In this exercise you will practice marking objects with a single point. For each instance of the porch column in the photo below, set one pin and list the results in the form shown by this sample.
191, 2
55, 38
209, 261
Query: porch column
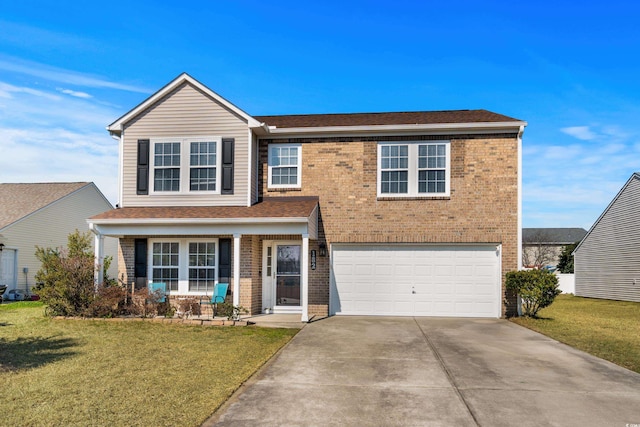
99, 258
305, 278
236, 269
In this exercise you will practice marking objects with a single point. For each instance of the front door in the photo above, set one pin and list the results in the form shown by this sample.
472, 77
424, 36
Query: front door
282, 276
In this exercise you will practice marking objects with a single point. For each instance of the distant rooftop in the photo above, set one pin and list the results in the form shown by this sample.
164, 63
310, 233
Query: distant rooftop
20, 200
558, 236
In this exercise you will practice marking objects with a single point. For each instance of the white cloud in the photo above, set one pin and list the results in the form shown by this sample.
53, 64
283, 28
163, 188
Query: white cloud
566, 185
77, 94
581, 132
47, 137
61, 75
7, 89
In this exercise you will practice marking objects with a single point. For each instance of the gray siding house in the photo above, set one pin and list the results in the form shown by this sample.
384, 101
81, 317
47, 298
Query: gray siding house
607, 260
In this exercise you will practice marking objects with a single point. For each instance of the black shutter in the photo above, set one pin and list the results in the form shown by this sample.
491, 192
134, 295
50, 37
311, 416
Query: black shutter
140, 262
227, 166
224, 263
142, 185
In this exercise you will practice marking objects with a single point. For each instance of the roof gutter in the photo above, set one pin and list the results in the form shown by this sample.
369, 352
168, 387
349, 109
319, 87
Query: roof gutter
202, 221
498, 127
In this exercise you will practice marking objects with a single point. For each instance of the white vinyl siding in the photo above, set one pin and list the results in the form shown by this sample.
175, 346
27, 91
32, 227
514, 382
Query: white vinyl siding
186, 112
607, 262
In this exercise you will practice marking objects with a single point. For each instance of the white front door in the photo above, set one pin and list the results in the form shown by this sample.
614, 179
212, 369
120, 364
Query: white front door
8, 273
281, 276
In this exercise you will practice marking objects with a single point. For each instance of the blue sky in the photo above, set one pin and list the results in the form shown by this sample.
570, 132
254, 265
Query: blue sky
68, 69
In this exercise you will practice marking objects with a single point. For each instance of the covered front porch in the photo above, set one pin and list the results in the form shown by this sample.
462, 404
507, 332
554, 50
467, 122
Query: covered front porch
264, 252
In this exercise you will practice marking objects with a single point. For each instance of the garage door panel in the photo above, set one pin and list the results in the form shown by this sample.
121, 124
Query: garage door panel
415, 280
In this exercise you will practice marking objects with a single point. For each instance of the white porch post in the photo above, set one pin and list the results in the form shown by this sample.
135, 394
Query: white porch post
305, 278
236, 269
99, 258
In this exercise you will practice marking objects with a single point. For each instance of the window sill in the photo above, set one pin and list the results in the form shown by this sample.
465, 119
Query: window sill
384, 198
282, 190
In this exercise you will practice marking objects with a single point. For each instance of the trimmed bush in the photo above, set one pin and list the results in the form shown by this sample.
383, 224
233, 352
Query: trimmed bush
537, 289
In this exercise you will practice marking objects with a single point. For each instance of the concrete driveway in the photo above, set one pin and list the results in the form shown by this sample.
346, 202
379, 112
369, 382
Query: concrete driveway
355, 371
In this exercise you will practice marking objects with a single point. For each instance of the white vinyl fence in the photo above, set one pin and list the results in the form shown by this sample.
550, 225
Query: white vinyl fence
567, 283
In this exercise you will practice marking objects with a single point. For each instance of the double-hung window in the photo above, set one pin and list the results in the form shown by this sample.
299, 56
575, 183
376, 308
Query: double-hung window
166, 172
166, 263
285, 165
187, 265
414, 169
186, 165
202, 266
203, 166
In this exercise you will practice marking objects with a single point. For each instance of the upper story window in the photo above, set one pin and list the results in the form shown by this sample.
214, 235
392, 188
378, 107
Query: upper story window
413, 169
203, 166
166, 160
186, 165
285, 165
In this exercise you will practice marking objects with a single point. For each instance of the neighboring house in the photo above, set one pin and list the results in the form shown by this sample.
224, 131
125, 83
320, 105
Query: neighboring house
542, 247
607, 260
410, 214
43, 214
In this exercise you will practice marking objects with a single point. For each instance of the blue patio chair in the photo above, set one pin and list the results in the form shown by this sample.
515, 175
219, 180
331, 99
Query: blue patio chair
219, 295
159, 288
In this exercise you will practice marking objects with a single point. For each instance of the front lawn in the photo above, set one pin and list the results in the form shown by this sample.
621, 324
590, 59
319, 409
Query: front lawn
71, 372
607, 329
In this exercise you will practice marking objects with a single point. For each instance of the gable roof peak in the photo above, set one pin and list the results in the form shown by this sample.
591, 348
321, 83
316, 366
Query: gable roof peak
117, 126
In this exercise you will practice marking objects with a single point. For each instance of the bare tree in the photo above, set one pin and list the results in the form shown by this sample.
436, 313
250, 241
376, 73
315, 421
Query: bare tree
536, 250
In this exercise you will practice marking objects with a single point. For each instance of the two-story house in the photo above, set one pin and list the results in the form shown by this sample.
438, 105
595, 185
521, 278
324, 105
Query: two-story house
406, 213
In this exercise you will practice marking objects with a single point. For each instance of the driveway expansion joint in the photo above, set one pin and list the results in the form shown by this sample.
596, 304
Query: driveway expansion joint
448, 374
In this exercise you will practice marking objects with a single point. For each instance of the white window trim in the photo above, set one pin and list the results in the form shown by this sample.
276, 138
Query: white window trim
183, 262
185, 166
299, 166
412, 184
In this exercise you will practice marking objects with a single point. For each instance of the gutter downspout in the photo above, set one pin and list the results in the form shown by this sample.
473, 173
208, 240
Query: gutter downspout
98, 274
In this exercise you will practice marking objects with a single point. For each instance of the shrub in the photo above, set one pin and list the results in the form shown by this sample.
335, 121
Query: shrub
189, 307
536, 288
66, 278
109, 302
230, 311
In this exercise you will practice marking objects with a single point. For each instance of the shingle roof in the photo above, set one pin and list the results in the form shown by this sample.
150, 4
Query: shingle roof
273, 207
371, 119
19, 200
563, 236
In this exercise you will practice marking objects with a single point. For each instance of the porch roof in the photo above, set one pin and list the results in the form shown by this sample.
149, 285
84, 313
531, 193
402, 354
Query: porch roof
286, 215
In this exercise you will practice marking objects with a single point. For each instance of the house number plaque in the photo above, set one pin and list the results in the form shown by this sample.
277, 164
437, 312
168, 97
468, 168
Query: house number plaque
313, 259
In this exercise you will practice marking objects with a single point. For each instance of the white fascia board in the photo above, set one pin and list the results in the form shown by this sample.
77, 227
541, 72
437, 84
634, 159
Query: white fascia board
498, 127
120, 230
117, 126
198, 221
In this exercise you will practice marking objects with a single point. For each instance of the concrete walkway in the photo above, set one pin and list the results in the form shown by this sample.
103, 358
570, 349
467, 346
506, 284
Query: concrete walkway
357, 371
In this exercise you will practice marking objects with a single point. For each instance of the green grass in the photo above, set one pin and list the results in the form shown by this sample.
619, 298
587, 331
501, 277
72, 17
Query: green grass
607, 329
70, 372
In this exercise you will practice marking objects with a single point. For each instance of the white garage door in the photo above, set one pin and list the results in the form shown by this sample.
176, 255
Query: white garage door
459, 281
